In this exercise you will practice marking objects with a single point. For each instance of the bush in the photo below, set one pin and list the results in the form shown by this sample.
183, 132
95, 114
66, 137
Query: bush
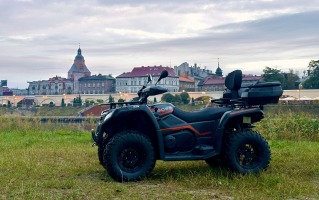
168, 97
185, 97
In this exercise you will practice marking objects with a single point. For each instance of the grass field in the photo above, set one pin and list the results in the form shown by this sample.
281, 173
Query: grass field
52, 161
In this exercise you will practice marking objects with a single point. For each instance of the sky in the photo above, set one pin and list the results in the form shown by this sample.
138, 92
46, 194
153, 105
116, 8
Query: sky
39, 38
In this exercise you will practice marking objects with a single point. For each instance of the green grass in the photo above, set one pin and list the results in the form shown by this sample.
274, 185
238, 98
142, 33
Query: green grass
289, 125
51, 161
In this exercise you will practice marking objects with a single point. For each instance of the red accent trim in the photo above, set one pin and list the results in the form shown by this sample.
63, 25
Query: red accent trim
185, 127
165, 112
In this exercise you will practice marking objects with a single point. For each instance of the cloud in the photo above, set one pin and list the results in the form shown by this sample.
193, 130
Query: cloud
116, 36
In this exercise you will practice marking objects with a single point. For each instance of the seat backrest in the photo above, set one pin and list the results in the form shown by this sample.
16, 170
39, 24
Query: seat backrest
233, 82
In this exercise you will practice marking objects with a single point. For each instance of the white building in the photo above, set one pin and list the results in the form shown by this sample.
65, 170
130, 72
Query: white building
131, 82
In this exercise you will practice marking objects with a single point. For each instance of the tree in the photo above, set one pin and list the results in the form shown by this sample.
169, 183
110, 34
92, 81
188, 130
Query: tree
313, 72
99, 101
271, 74
185, 97
168, 97
77, 101
62, 103
121, 100
51, 104
155, 100
111, 99
290, 80
177, 99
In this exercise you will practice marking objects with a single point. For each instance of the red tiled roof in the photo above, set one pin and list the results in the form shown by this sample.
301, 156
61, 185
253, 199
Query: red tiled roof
220, 81
145, 71
186, 79
251, 77
214, 81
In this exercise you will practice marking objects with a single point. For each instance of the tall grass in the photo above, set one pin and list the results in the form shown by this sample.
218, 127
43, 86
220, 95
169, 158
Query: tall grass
289, 125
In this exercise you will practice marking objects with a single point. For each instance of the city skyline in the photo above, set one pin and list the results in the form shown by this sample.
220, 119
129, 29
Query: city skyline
37, 43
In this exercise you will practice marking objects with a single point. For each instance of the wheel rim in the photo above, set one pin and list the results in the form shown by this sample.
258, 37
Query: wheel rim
248, 156
131, 159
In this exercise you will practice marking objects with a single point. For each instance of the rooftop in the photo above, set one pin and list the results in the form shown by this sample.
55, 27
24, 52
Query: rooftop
149, 70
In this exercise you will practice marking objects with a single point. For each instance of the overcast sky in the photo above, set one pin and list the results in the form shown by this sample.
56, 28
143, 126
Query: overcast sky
39, 38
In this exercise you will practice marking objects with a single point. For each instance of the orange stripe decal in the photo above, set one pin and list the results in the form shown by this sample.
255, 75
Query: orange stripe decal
185, 127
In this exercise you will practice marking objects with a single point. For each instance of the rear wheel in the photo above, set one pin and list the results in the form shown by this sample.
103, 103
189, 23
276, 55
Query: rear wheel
246, 152
130, 156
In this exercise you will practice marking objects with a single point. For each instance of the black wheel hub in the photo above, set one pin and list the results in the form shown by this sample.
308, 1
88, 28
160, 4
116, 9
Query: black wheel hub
130, 159
248, 156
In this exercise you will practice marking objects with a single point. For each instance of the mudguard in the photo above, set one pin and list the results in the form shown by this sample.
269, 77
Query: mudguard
256, 115
120, 113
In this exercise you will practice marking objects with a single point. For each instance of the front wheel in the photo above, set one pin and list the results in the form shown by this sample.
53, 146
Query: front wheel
130, 156
246, 152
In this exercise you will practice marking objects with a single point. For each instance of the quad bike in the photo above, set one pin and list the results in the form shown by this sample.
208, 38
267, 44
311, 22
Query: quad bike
131, 136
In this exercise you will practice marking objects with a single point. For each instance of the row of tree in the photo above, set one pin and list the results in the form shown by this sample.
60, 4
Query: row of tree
291, 79
182, 98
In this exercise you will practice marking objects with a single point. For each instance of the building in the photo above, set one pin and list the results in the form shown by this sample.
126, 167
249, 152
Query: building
79, 81
214, 83
186, 84
196, 73
19, 92
54, 86
131, 82
96, 84
249, 78
78, 70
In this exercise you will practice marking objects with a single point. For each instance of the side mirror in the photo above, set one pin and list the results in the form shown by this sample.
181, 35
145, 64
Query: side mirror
149, 78
164, 74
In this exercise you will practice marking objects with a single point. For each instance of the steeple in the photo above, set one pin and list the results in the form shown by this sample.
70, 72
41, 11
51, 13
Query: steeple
219, 71
79, 50
79, 68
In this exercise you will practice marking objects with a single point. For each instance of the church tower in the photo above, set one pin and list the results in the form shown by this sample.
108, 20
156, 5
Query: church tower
78, 70
219, 71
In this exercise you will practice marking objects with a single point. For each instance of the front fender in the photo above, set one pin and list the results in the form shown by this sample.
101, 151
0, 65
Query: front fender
134, 117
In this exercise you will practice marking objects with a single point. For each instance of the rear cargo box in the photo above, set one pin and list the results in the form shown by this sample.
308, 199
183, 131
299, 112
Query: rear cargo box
261, 93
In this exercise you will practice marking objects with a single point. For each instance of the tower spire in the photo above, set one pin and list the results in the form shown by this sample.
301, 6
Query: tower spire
219, 71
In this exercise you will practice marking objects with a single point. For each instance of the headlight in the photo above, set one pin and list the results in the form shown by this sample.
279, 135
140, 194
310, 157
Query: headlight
108, 116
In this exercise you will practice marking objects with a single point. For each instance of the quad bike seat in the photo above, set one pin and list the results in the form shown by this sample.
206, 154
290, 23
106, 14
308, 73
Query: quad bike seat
206, 114
233, 83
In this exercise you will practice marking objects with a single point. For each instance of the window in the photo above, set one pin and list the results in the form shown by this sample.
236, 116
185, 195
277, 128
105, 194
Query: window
89, 85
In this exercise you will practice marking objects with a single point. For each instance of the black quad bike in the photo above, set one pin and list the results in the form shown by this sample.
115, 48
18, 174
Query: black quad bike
131, 136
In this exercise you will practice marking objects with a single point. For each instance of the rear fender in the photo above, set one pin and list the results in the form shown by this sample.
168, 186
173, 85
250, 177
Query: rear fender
235, 117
